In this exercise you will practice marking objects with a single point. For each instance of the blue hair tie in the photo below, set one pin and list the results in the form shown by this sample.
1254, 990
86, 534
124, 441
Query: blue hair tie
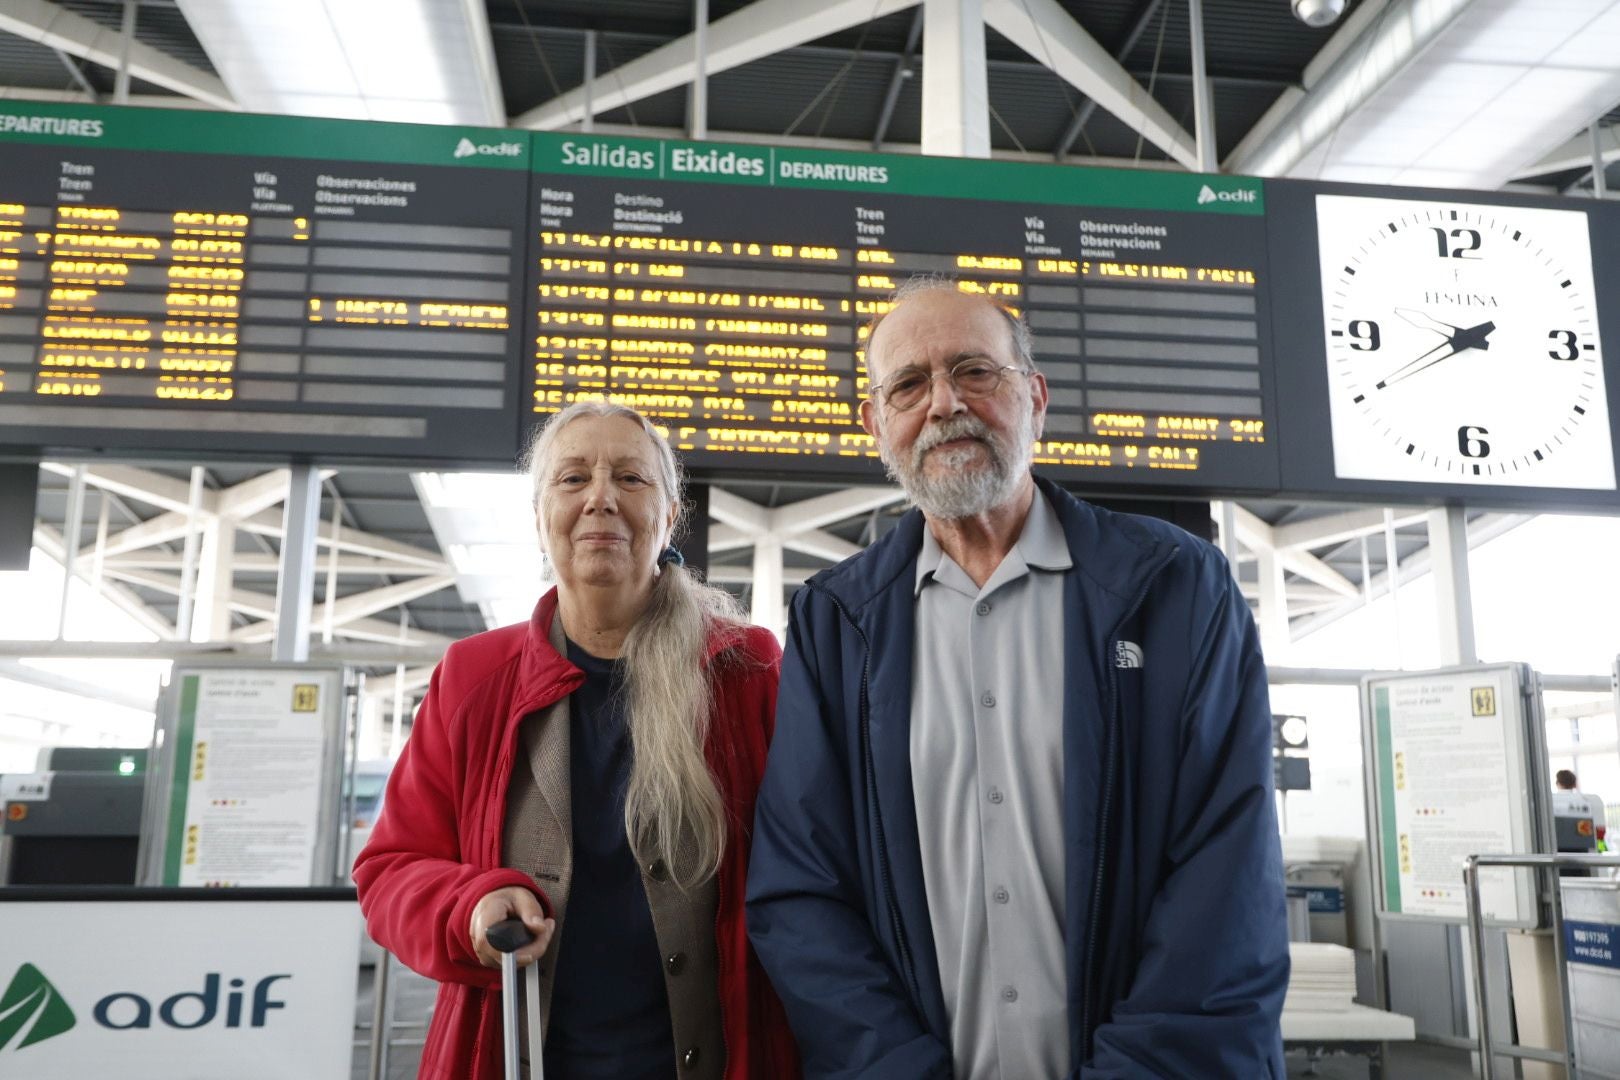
672, 554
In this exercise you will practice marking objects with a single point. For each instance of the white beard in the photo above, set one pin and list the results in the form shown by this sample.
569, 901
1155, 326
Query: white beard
960, 484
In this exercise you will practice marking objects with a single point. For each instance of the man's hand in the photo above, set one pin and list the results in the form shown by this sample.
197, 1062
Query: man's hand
512, 902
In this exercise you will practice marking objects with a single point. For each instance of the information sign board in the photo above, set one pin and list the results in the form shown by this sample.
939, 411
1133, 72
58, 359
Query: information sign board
1450, 760
247, 784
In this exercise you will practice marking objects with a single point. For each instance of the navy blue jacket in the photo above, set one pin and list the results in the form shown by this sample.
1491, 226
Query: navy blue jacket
1176, 932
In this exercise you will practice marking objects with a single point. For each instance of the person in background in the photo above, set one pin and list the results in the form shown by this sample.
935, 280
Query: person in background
593, 773
1568, 793
1018, 818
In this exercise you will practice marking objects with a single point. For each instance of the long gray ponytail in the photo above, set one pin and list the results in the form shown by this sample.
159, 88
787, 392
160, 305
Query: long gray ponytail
668, 685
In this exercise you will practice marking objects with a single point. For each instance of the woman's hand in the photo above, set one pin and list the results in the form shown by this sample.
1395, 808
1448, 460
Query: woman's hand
512, 902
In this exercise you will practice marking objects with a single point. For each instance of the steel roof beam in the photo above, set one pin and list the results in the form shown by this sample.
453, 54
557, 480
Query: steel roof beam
1334, 529
1144, 17
1260, 537
759, 30
1481, 530
49, 541
1574, 154
56, 27
1044, 30
902, 71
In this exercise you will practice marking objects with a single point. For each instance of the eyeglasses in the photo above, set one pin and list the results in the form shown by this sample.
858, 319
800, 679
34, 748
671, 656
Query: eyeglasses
970, 379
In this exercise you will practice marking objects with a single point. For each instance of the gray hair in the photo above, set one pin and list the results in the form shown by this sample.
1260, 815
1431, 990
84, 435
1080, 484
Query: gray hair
1023, 342
667, 681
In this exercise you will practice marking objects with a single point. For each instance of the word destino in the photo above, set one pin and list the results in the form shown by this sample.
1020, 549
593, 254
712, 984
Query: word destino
690, 161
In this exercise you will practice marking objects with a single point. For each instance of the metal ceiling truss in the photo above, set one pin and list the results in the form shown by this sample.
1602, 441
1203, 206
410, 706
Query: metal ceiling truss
55, 27
133, 556
955, 94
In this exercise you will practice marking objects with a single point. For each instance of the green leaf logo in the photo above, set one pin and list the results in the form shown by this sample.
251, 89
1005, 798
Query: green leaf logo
32, 997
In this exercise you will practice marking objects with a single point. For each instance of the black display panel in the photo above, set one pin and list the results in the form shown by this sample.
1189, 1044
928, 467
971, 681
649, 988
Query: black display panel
324, 295
221, 287
735, 316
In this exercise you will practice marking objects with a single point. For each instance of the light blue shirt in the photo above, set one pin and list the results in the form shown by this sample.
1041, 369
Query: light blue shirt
987, 777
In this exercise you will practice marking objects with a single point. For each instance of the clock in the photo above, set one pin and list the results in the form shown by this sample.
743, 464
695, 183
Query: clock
1462, 344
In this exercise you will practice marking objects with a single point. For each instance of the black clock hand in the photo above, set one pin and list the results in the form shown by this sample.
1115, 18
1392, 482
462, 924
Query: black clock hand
1475, 337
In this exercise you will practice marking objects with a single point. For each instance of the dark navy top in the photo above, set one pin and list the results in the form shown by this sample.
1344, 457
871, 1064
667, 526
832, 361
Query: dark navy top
609, 1009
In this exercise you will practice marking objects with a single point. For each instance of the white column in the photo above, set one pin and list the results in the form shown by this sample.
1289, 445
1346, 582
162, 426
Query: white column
1453, 598
1392, 567
126, 39
1226, 515
211, 620
1274, 634
184, 608
955, 90
295, 579
70, 545
98, 560
698, 121
1203, 95
767, 610
588, 124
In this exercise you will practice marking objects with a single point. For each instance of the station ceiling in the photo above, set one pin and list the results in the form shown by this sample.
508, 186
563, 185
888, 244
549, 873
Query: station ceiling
834, 88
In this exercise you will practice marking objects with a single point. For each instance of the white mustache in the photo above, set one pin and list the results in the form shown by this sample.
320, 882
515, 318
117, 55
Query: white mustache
946, 430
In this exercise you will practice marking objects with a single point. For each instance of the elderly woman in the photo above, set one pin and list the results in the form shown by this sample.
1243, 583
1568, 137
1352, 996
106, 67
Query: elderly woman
592, 773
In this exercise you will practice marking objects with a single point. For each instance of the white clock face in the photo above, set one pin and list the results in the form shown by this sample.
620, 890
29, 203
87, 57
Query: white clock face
1462, 344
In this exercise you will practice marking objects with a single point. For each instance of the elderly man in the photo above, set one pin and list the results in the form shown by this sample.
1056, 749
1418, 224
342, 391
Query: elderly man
1017, 821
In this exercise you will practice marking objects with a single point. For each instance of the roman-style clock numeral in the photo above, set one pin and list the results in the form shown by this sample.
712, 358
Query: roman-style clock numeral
1567, 348
1470, 442
1457, 251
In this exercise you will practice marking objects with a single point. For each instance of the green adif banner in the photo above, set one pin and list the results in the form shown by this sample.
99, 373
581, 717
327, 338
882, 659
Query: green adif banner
657, 159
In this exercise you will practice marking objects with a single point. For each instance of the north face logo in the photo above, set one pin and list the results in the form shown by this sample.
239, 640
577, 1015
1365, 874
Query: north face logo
1127, 654
32, 997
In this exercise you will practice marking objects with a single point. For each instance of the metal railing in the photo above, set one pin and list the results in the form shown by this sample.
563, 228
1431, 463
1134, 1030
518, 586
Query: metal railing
1488, 1048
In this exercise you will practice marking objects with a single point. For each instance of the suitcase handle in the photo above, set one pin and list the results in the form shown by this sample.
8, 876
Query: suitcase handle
508, 935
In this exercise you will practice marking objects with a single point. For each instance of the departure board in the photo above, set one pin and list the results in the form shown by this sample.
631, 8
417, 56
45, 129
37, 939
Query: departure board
735, 315
240, 284
220, 286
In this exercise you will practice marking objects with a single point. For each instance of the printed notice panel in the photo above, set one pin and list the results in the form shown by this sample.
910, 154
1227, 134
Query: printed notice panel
250, 770
257, 285
725, 291
1449, 761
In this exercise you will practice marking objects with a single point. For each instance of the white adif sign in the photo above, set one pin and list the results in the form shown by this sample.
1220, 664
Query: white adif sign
251, 764
178, 990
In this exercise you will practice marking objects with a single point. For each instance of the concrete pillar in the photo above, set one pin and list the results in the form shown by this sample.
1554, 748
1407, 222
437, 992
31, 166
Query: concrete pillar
955, 91
211, 616
767, 610
1453, 598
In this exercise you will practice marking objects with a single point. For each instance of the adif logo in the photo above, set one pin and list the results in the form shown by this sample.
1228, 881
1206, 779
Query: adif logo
1207, 194
468, 148
32, 997
1127, 654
